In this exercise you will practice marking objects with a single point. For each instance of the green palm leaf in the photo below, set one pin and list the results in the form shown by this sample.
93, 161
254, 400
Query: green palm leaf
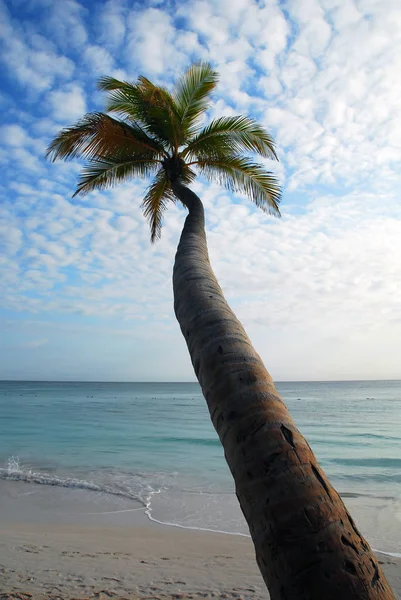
243, 175
151, 106
232, 135
97, 136
157, 133
155, 203
192, 94
101, 174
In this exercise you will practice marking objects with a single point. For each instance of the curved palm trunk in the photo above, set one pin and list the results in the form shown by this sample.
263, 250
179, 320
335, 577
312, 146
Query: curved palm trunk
307, 545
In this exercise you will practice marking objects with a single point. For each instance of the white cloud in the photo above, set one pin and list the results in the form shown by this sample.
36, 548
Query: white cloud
150, 42
321, 75
45, 127
344, 14
315, 32
98, 59
30, 59
67, 103
323, 274
112, 23
30, 68
27, 160
13, 135
16, 136
327, 118
23, 151
10, 238
65, 22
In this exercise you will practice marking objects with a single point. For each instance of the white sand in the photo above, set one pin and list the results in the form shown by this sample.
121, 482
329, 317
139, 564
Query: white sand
142, 562
130, 559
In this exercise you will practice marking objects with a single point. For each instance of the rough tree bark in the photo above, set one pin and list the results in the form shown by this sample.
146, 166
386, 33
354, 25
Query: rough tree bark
307, 545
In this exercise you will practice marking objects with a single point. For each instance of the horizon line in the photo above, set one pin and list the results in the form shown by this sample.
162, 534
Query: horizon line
185, 382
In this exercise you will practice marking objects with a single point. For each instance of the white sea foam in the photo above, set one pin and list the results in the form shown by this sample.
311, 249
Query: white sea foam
15, 471
122, 486
181, 508
393, 554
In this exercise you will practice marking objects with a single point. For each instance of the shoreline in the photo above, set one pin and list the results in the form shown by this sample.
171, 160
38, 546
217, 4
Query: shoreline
45, 499
57, 549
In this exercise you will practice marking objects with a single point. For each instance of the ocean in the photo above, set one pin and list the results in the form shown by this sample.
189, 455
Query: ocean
153, 444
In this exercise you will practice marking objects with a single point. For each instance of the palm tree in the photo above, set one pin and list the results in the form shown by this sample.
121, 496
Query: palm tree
307, 545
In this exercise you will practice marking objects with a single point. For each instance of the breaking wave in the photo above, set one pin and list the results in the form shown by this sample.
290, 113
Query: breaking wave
134, 487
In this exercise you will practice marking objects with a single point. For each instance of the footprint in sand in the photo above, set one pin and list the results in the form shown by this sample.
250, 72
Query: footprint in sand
28, 548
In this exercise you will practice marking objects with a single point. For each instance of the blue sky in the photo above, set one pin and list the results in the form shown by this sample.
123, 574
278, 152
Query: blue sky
84, 295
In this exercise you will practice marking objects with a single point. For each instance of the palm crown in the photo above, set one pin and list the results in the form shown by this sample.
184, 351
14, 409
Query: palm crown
159, 133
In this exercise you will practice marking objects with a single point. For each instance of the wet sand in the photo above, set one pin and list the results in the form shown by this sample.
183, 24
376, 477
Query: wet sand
59, 547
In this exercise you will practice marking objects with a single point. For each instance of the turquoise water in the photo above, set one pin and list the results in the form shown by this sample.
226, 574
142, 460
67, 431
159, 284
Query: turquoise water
154, 442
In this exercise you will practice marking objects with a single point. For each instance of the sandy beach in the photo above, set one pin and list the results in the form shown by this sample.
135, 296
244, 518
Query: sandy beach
136, 562
52, 547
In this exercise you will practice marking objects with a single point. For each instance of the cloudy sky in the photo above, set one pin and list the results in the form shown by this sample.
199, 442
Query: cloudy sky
83, 293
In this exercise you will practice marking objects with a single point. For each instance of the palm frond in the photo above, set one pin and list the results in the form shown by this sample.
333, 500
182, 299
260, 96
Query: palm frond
123, 99
243, 175
148, 138
97, 136
152, 107
155, 203
187, 174
192, 94
101, 174
108, 84
231, 135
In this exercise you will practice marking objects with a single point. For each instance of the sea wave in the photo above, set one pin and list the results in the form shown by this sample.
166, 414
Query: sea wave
15, 471
121, 487
157, 492
383, 462
377, 436
188, 440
